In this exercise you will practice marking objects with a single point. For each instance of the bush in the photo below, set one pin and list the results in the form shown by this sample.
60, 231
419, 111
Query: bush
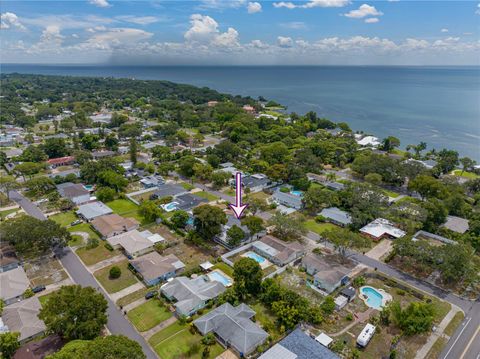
28, 293
349, 317
109, 247
208, 339
320, 219
105, 194
400, 292
92, 243
115, 272
359, 282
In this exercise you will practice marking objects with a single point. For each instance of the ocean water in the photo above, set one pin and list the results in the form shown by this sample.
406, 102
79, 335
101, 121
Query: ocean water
438, 105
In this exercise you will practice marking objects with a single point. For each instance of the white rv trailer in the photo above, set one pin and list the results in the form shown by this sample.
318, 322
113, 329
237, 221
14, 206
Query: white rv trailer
365, 336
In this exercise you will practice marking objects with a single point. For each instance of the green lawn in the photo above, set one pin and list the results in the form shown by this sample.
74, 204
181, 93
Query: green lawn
132, 297
43, 298
115, 285
207, 195
148, 315
175, 341
266, 320
84, 227
76, 241
64, 219
95, 255
225, 268
390, 193
187, 186
469, 175
230, 192
3, 214
318, 228
125, 208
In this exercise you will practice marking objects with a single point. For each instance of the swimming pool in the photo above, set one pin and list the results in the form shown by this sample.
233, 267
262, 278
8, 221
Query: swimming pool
297, 193
375, 298
219, 276
256, 257
172, 206
88, 187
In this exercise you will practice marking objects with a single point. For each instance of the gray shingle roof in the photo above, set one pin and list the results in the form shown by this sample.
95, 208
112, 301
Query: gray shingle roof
13, 283
337, 215
456, 224
189, 293
166, 190
301, 345
188, 201
233, 326
93, 209
23, 317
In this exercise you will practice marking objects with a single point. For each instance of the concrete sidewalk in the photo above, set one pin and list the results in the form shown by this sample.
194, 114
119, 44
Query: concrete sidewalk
105, 263
133, 288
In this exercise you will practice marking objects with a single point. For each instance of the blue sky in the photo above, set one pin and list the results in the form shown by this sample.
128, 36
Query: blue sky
241, 32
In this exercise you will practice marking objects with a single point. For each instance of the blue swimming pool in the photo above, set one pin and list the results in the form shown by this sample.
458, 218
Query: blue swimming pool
88, 187
374, 297
219, 277
258, 258
172, 206
297, 193
190, 221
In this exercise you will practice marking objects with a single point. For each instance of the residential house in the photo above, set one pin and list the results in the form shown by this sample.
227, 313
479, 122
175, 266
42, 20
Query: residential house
298, 345
152, 181
101, 117
40, 349
432, 238
316, 178
349, 292
112, 224
334, 186
13, 152
61, 161
288, 199
232, 221
154, 268
75, 192
249, 109
367, 141
13, 283
92, 210
277, 251
188, 201
255, 183
456, 224
328, 275
190, 295
168, 190
233, 327
336, 216
133, 243
227, 167
102, 154
22, 317
382, 228
8, 257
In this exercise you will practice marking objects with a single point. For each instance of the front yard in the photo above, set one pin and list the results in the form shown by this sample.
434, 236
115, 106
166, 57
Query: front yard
44, 271
318, 228
94, 255
176, 341
207, 195
115, 285
64, 219
148, 315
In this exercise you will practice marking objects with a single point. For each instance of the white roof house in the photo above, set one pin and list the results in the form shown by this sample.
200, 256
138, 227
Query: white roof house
371, 141
324, 339
132, 242
93, 210
380, 228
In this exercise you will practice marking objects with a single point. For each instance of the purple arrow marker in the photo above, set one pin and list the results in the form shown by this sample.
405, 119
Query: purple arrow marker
238, 208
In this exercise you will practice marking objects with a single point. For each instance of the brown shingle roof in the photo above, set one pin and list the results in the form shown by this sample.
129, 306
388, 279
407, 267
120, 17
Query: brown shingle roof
112, 224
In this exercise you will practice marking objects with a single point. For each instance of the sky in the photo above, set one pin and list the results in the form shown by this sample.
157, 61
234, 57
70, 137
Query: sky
241, 32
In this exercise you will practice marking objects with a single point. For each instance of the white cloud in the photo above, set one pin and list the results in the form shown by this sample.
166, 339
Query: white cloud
222, 4
115, 37
69, 22
254, 7
363, 11
478, 9
312, 4
204, 29
372, 20
444, 30
295, 25
139, 20
10, 20
284, 41
258, 44
99, 3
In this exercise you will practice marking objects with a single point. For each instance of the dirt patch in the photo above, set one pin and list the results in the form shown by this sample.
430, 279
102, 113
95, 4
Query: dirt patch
44, 271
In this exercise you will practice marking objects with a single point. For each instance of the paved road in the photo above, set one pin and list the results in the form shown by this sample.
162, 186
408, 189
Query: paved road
28, 206
117, 323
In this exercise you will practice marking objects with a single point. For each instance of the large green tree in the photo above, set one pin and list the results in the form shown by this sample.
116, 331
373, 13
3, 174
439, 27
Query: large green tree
247, 276
286, 227
9, 344
344, 239
33, 236
208, 221
75, 312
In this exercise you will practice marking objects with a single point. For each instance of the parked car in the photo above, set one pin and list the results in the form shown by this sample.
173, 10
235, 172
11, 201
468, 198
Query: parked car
38, 289
74, 223
151, 294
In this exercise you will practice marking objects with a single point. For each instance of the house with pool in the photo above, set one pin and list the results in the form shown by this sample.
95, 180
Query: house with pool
255, 183
289, 198
191, 294
154, 268
277, 251
222, 238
